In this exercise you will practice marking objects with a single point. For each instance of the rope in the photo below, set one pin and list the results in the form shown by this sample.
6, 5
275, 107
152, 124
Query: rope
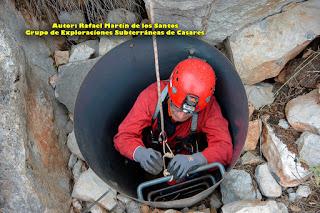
162, 136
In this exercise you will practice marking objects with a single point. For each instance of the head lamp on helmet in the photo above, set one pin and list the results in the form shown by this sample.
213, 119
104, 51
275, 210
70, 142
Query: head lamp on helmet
192, 84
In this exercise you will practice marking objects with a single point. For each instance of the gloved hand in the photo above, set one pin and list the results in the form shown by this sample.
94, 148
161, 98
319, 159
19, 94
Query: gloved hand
149, 159
180, 165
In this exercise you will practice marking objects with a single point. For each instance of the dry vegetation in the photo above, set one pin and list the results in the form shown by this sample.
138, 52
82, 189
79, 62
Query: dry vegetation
95, 10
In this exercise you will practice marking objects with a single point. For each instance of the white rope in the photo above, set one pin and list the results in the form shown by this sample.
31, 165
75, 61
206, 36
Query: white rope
162, 135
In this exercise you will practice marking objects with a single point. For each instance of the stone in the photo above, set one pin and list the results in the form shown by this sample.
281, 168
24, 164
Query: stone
303, 112
260, 94
238, 185
269, 206
33, 163
282, 162
206, 210
53, 80
71, 76
294, 208
145, 208
284, 124
133, 207
98, 209
290, 190
73, 145
108, 43
254, 132
74, 17
89, 187
215, 201
120, 15
189, 15
252, 48
76, 205
61, 57
94, 44
303, 191
77, 169
249, 158
72, 160
309, 149
251, 109
292, 196
267, 184
171, 211
81, 52
239, 14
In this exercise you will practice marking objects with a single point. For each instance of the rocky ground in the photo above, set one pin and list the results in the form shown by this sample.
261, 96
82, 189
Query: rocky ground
279, 168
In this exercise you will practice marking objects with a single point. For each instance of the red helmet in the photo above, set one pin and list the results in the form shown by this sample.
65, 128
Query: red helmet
192, 84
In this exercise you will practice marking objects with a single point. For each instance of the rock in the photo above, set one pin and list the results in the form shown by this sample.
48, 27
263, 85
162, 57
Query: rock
239, 14
74, 17
260, 94
133, 207
108, 43
292, 196
269, 206
94, 44
309, 149
73, 145
120, 15
249, 158
206, 210
98, 209
81, 52
290, 190
294, 208
281, 161
254, 131
53, 80
303, 112
119, 209
252, 48
215, 201
303, 191
284, 124
251, 109
237, 185
33, 156
145, 208
71, 76
189, 15
171, 211
77, 169
61, 57
76, 205
267, 184
89, 187
72, 160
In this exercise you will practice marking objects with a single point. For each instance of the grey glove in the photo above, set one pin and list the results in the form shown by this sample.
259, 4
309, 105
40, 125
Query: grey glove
180, 165
149, 159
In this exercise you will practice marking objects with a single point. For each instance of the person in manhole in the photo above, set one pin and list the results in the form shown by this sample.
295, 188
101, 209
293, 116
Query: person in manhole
196, 130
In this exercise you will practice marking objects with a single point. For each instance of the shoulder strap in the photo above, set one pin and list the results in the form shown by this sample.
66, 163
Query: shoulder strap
162, 97
194, 122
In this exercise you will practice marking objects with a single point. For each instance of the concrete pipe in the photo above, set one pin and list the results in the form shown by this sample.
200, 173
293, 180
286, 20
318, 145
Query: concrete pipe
110, 89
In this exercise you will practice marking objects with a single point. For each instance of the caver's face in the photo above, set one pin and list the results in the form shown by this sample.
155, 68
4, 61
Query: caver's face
177, 114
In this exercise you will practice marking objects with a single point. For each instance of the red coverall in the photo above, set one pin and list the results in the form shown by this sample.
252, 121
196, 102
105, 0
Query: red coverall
210, 121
